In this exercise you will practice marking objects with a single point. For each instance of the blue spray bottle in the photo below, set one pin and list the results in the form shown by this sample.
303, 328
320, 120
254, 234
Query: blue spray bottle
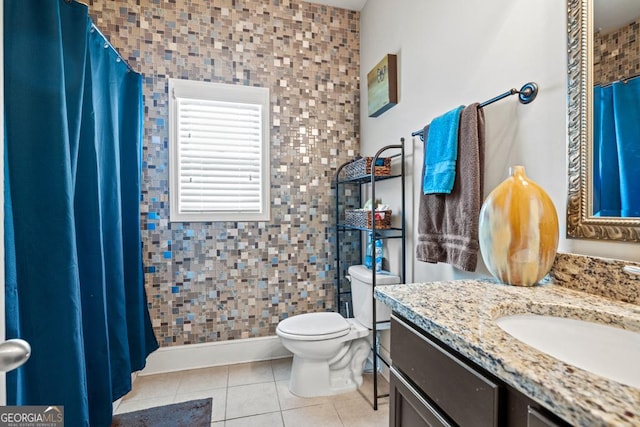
368, 257
379, 255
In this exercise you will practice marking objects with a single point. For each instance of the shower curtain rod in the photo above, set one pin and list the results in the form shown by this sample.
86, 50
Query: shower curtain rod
623, 80
526, 94
106, 41
107, 44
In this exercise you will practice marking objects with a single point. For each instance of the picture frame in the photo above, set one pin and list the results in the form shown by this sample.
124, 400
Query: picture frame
382, 86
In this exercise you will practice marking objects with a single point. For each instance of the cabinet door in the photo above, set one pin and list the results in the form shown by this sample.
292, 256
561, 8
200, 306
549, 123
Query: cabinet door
463, 393
408, 408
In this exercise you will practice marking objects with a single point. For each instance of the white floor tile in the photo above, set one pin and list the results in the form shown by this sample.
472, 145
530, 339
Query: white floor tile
203, 379
257, 395
274, 419
312, 416
281, 368
360, 413
252, 399
291, 401
138, 404
154, 386
250, 373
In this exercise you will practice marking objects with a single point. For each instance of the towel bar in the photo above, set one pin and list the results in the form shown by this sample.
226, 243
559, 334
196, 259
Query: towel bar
526, 94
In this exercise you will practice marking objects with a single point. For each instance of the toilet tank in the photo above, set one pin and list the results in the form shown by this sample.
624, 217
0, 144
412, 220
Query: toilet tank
362, 294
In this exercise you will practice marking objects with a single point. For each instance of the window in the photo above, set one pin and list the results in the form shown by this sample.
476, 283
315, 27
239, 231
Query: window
219, 152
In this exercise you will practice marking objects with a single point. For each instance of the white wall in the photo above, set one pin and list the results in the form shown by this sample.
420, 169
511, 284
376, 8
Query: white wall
459, 52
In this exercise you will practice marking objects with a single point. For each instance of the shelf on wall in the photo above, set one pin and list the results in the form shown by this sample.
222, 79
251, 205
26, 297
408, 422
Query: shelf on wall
381, 233
366, 178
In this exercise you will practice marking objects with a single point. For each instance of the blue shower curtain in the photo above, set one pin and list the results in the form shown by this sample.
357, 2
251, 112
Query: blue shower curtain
616, 157
74, 279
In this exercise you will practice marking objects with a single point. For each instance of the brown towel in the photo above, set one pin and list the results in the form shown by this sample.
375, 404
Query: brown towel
448, 223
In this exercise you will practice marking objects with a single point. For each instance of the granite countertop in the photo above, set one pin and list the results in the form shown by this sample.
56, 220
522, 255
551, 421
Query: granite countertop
461, 314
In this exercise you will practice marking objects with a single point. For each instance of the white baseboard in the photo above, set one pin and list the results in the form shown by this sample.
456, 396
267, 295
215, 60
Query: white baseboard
195, 356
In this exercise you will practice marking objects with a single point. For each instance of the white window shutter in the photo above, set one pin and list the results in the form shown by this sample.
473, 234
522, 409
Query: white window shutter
219, 156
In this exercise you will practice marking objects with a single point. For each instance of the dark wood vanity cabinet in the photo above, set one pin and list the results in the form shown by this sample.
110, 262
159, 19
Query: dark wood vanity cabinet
432, 385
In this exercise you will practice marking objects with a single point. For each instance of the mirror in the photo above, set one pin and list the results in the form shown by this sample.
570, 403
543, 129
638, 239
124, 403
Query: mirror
582, 220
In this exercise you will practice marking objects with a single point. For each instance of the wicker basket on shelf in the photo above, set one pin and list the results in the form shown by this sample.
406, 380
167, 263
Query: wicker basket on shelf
362, 166
362, 218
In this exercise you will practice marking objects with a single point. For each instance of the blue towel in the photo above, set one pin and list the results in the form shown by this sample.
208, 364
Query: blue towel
441, 153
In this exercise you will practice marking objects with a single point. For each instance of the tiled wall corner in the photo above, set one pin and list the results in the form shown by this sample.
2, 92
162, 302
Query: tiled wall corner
219, 281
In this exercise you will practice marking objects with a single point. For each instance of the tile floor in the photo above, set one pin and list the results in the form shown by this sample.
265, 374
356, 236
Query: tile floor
257, 394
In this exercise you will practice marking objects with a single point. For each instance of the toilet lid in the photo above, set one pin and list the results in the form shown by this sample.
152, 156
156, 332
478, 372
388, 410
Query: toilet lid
315, 324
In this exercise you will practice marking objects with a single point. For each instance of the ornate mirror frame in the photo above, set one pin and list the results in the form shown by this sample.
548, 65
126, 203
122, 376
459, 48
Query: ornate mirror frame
580, 221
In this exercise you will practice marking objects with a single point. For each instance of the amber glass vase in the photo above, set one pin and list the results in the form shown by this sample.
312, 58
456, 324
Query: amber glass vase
518, 230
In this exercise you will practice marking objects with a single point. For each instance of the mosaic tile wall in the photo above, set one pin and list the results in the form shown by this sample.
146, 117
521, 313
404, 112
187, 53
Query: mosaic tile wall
617, 54
220, 281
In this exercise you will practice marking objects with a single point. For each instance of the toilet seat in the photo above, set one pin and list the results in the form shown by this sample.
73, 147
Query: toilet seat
314, 326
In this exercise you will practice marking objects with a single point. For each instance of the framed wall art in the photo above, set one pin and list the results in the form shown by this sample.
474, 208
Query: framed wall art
382, 86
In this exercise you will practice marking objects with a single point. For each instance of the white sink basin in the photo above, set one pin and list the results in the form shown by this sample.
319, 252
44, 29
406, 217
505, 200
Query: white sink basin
608, 351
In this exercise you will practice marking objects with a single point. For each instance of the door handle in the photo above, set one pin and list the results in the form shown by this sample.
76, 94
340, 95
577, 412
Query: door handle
13, 353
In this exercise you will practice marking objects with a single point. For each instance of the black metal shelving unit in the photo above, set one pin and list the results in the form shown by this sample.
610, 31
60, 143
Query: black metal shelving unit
397, 156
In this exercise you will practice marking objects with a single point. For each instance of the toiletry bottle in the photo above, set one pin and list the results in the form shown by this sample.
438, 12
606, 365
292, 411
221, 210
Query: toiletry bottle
379, 255
368, 257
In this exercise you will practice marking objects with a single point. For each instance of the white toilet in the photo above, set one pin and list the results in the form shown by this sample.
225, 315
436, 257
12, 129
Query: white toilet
329, 351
